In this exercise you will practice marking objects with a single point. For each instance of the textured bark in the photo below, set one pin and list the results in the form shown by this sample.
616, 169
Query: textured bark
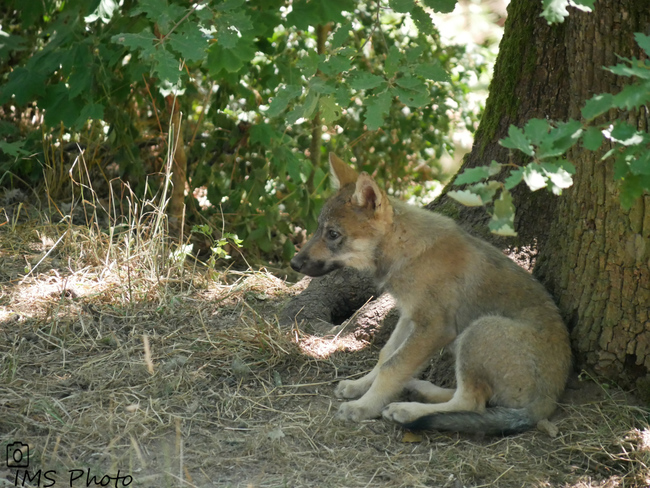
592, 255
179, 170
598, 254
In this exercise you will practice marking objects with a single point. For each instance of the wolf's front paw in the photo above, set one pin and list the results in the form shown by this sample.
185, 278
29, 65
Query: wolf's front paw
402, 412
357, 411
350, 389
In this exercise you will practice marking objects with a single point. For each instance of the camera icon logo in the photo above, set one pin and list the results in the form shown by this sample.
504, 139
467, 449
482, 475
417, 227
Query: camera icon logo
17, 455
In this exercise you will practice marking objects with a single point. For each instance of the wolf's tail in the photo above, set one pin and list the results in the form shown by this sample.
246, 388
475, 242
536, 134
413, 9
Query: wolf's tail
492, 421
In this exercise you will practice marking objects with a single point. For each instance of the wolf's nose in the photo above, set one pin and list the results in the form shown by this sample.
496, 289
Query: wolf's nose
296, 264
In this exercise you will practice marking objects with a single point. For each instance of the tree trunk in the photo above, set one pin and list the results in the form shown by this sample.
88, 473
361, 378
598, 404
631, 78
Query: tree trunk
591, 254
179, 170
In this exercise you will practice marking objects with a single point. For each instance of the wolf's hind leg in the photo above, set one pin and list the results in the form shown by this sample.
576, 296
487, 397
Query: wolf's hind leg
466, 399
426, 392
351, 389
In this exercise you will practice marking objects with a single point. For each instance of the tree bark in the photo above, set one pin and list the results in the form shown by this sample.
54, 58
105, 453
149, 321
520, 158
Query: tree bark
591, 254
179, 169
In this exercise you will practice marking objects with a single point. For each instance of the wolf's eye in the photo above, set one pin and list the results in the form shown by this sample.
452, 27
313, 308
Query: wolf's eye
332, 235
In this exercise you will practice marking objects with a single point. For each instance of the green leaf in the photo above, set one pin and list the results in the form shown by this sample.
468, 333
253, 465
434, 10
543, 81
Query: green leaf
633, 68
633, 96
309, 64
159, 11
592, 138
534, 177
13, 149
329, 110
474, 175
413, 54
503, 216
92, 111
10, 44
237, 19
288, 250
377, 107
442, 6
584, 5
80, 81
228, 5
362, 80
305, 110
410, 83
641, 165
341, 35
230, 60
263, 134
335, 65
466, 197
298, 168
643, 41
24, 85
598, 104
516, 176
559, 177
310, 105
322, 86
560, 139
166, 66
307, 13
343, 96
517, 140
422, 20
393, 61
144, 40
411, 91
505, 229
432, 71
625, 134
189, 43
632, 188
412, 98
536, 130
401, 6
476, 195
486, 190
282, 99
59, 107
555, 10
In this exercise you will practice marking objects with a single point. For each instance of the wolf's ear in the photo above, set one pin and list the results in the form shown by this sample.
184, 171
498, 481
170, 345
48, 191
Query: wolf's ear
340, 172
367, 193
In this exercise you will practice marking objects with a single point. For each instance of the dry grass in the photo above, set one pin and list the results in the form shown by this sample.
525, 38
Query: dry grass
195, 384
116, 357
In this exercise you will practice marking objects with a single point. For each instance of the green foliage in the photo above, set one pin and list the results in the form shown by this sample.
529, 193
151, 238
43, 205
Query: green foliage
218, 246
547, 144
556, 10
251, 85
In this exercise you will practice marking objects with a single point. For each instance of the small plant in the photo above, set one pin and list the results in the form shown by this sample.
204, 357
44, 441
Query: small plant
218, 247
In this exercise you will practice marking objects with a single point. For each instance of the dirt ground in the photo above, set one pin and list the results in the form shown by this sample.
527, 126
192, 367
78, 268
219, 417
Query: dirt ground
113, 377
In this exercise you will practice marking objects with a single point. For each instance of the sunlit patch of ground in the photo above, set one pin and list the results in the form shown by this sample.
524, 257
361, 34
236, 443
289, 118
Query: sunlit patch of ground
324, 347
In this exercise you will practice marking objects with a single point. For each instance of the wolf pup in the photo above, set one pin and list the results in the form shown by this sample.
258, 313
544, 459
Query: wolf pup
511, 347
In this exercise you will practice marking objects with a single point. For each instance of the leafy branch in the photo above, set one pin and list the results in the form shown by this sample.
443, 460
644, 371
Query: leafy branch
547, 143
